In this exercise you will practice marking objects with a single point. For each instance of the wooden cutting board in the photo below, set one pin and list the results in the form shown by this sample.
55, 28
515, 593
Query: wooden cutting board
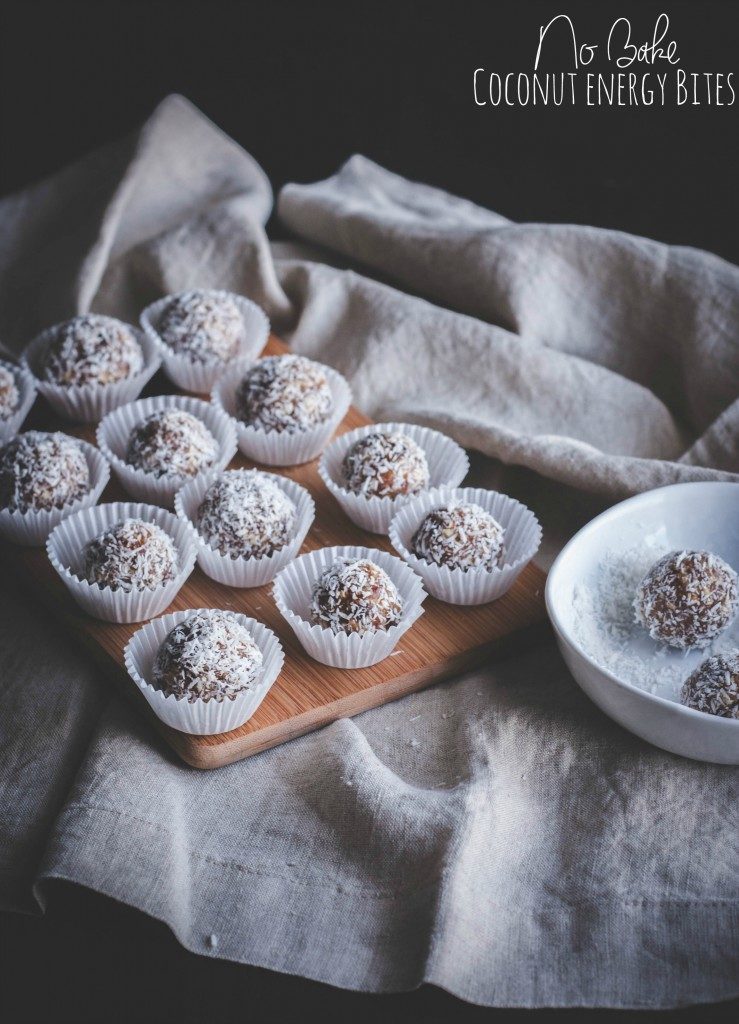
446, 640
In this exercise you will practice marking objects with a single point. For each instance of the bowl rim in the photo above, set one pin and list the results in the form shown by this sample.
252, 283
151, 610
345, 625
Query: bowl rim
643, 499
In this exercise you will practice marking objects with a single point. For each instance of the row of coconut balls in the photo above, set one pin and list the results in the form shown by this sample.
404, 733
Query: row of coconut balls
127, 562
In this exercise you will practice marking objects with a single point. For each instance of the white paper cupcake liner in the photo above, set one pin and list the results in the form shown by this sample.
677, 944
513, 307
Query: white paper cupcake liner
244, 572
66, 547
274, 448
201, 718
26, 385
447, 461
115, 430
201, 377
88, 403
32, 528
521, 541
293, 589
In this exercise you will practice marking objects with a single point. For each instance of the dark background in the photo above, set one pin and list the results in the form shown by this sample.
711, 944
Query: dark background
303, 85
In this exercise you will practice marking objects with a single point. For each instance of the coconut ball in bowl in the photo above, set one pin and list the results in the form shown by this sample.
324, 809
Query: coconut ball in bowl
714, 686
642, 599
687, 598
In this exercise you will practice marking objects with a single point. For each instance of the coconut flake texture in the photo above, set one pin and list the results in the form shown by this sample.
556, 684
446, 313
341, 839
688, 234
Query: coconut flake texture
42, 471
131, 555
245, 514
171, 442
10, 397
385, 465
203, 326
714, 686
355, 596
284, 393
460, 535
92, 349
207, 657
687, 599
605, 626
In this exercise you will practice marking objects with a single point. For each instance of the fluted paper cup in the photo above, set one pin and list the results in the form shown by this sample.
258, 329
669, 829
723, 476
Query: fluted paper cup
26, 385
32, 528
244, 572
201, 718
293, 589
87, 403
200, 377
281, 448
521, 540
66, 550
115, 430
447, 461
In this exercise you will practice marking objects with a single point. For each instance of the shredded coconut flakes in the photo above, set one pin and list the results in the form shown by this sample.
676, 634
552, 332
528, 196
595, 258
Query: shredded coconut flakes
207, 657
461, 536
172, 442
202, 326
131, 555
42, 471
714, 686
355, 596
284, 393
385, 465
605, 625
687, 598
245, 514
92, 349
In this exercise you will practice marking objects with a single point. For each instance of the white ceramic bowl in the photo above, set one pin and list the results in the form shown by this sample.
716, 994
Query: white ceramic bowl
683, 516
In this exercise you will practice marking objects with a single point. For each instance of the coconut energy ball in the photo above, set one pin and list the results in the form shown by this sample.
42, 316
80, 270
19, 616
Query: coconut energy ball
203, 326
355, 596
245, 514
460, 536
385, 465
42, 471
714, 686
10, 397
171, 442
92, 349
207, 657
687, 598
131, 555
284, 393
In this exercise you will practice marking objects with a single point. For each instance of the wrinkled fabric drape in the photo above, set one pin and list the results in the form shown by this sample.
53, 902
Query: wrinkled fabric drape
495, 835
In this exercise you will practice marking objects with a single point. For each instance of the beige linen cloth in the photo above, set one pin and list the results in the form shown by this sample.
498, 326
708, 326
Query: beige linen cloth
495, 835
